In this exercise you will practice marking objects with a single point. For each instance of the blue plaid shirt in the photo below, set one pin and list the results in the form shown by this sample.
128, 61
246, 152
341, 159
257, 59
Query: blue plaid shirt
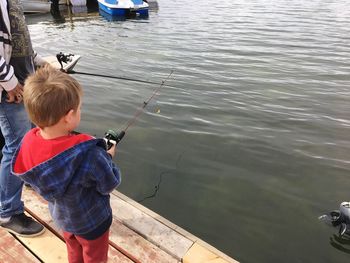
76, 183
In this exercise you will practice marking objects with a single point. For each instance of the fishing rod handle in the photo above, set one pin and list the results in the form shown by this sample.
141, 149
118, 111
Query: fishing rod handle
113, 138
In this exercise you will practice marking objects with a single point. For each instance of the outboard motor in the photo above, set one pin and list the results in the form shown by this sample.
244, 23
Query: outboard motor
65, 58
339, 218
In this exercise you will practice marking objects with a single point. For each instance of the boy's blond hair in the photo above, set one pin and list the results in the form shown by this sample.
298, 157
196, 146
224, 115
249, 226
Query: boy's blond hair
50, 94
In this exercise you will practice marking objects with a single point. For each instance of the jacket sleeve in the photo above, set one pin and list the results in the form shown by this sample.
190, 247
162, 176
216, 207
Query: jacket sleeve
8, 79
106, 173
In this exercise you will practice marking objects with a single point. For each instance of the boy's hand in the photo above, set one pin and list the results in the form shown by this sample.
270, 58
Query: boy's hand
113, 150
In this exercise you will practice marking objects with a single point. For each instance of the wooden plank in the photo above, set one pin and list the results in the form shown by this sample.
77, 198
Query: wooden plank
156, 216
176, 228
48, 247
163, 242
141, 250
115, 256
200, 254
39, 206
121, 236
216, 251
12, 251
163, 236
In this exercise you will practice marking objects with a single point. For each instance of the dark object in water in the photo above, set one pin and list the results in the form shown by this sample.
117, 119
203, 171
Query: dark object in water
339, 218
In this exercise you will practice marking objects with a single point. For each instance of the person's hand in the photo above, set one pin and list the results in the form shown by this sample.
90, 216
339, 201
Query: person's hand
15, 95
113, 150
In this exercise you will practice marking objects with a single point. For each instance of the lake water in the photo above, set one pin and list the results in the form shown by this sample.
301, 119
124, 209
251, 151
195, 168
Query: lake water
249, 143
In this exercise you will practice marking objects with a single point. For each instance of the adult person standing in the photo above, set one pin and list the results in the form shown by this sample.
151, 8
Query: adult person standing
16, 63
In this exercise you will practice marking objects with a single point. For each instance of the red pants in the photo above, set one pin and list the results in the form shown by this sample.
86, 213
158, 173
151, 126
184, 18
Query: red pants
81, 250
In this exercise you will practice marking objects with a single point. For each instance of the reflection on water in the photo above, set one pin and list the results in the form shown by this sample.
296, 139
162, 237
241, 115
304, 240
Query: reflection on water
341, 243
110, 18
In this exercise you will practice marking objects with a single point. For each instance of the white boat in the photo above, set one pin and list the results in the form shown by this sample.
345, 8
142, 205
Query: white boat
36, 6
78, 2
63, 61
124, 7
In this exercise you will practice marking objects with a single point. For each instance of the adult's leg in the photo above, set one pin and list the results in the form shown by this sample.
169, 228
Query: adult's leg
14, 123
2, 144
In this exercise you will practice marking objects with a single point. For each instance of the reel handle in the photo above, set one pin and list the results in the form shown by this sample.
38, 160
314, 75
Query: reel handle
113, 138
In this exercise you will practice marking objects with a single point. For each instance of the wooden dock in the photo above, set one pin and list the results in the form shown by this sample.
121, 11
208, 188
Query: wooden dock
137, 235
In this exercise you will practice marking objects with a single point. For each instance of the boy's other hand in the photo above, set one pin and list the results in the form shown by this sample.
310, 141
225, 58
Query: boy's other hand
15, 95
113, 150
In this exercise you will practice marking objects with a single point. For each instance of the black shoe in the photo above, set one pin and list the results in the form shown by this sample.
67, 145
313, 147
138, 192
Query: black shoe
23, 225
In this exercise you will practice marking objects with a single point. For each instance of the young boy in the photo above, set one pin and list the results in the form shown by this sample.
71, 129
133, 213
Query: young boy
73, 172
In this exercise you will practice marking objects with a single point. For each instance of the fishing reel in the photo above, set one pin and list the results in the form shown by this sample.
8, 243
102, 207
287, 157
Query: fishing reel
113, 138
339, 218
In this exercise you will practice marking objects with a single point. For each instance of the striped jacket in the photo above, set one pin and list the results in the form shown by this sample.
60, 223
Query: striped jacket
8, 80
76, 183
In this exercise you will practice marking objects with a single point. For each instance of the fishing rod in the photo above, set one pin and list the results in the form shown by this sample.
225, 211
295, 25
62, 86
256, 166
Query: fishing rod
112, 137
111, 77
65, 58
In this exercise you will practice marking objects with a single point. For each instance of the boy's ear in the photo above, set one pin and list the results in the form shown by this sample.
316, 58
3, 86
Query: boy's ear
69, 116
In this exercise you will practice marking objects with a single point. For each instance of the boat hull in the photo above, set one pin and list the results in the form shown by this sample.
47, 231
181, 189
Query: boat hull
116, 11
36, 6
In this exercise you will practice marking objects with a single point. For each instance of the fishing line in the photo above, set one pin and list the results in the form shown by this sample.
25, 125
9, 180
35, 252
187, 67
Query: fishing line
145, 103
113, 137
157, 186
111, 77
66, 58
